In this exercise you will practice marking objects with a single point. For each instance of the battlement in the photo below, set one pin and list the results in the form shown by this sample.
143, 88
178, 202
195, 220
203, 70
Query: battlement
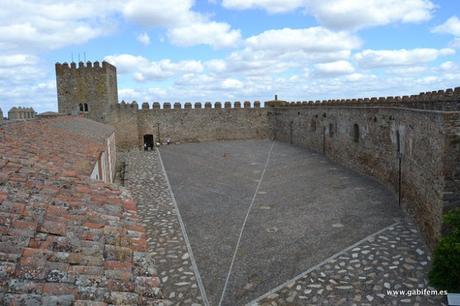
448, 99
18, 113
89, 66
188, 105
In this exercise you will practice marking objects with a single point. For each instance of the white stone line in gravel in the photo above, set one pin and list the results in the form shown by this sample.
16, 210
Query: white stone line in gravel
256, 301
184, 233
244, 222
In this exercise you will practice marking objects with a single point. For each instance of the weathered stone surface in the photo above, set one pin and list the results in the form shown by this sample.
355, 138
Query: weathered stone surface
145, 179
374, 282
366, 140
64, 238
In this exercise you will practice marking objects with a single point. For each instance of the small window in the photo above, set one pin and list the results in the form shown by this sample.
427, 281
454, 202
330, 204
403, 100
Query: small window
356, 133
81, 107
331, 130
86, 107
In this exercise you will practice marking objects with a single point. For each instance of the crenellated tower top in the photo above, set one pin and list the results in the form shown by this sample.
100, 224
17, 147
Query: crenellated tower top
87, 88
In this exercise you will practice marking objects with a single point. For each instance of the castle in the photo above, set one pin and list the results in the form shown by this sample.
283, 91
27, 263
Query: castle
411, 144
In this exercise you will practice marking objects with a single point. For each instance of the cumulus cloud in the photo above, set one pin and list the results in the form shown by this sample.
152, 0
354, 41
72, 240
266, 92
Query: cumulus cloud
272, 6
13, 60
357, 14
451, 26
334, 68
402, 57
44, 25
144, 69
347, 14
144, 39
185, 26
314, 39
215, 34
159, 13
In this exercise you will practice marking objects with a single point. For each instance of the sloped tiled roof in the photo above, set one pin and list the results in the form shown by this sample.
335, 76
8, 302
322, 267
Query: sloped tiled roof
63, 237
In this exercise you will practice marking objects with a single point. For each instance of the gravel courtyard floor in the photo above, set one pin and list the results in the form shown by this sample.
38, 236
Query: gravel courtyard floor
272, 224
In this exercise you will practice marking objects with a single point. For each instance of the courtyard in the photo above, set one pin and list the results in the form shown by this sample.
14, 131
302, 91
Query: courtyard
262, 222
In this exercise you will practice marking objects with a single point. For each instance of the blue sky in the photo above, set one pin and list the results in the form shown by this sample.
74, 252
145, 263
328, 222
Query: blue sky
218, 50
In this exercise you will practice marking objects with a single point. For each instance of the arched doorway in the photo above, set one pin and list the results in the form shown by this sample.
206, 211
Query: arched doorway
148, 142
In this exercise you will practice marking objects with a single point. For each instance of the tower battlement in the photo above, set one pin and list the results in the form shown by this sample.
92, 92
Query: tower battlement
84, 66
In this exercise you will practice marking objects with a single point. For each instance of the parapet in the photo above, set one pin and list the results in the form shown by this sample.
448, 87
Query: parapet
93, 66
19, 113
188, 105
448, 100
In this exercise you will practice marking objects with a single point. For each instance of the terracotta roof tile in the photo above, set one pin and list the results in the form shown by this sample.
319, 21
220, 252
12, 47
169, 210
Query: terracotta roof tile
64, 237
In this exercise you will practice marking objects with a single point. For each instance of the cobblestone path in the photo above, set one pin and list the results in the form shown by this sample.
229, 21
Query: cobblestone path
393, 259
144, 177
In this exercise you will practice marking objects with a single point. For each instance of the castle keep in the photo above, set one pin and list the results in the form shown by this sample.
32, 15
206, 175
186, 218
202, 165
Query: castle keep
411, 144
89, 89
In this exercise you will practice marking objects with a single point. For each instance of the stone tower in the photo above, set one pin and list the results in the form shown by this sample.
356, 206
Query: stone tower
89, 89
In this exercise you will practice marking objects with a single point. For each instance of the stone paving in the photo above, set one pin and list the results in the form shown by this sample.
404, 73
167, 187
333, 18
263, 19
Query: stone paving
324, 244
392, 260
145, 179
307, 209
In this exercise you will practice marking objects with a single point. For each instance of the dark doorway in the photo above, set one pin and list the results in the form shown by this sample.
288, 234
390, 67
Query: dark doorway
356, 133
148, 142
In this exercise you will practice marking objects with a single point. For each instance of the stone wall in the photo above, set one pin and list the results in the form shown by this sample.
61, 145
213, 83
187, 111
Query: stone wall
188, 124
90, 89
21, 113
365, 138
446, 100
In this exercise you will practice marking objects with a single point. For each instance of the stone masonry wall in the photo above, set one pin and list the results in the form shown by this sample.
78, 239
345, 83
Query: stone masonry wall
366, 140
188, 124
92, 84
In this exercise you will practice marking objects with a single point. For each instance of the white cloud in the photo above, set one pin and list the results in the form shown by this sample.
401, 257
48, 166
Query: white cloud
406, 70
231, 84
216, 65
215, 34
451, 26
448, 66
144, 69
335, 68
44, 25
159, 13
272, 6
315, 39
357, 14
347, 14
402, 57
144, 39
17, 60
185, 26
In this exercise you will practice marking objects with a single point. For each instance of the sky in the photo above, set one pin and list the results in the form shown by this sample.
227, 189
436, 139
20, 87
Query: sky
232, 50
